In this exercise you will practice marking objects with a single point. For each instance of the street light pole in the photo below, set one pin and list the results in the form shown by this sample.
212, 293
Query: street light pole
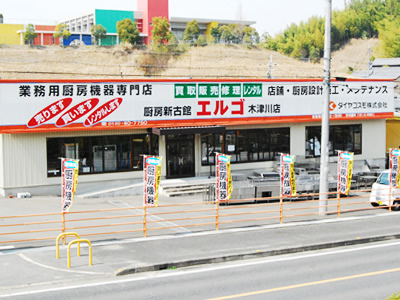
324, 167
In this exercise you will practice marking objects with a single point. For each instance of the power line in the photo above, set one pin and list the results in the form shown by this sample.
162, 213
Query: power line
107, 75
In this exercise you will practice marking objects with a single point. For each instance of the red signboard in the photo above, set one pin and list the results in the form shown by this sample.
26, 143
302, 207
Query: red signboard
103, 111
49, 112
77, 112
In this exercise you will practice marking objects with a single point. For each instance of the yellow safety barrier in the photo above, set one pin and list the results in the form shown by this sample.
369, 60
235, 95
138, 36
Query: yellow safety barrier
78, 242
64, 235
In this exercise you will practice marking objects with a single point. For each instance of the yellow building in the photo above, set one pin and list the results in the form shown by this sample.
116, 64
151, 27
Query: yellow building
392, 133
9, 34
208, 30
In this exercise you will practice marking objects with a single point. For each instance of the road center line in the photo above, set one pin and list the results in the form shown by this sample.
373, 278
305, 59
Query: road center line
184, 272
295, 286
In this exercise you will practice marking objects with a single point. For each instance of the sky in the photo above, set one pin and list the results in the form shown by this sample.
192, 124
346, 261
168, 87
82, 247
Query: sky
271, 16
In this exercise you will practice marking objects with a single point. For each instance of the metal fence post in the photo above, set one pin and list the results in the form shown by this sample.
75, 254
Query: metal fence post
63, 226
217, 215
145, 221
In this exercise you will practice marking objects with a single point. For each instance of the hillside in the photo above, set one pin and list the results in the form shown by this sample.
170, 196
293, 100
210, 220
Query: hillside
215, 61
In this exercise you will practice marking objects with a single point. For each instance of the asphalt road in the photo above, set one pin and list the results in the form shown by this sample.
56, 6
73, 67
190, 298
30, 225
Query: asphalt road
365, 272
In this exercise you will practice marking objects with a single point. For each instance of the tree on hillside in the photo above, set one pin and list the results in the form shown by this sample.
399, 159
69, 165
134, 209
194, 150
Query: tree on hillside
250, 36
61, 31
127, 31
201, 40
161, 31
30, 34
389, 38
216, 34
360, 19
237, 34
191, 32
172, 39
393, 7
226, 33
99, 32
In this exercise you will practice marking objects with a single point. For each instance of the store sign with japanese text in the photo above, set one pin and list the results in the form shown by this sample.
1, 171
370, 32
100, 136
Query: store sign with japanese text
70, 168
152, 177
224, 177
345, 172
394, 168
288, 181
88, 105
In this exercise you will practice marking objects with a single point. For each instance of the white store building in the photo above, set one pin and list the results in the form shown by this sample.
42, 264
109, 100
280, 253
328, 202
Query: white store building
109, 125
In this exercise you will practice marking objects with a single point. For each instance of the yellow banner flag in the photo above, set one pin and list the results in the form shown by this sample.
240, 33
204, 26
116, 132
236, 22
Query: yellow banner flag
152, 177
70, 169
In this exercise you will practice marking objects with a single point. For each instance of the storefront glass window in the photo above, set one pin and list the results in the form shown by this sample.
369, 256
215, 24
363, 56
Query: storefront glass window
246, 145
101, 154
341, 137
210, 144
141, 145
231, 145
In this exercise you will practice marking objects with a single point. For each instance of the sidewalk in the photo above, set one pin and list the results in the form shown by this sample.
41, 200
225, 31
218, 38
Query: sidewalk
33, 267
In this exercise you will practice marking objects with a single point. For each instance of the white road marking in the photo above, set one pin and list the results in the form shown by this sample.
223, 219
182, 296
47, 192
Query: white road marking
24, 257
200, 270
151, 217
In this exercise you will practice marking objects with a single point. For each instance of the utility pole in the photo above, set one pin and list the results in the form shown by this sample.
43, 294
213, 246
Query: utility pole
324, 167
269, 74
370, 70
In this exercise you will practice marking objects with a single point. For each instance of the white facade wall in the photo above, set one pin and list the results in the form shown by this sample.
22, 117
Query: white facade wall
24, 160
373, 139
1, 161
297, 139
24, 163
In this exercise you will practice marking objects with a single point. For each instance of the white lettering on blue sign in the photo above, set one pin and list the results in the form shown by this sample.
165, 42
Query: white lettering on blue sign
346, 155
223, 158
153, 161
287, 159
70, 164
396, 152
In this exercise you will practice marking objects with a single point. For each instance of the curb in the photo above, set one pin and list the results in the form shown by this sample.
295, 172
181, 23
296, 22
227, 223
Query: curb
256, 254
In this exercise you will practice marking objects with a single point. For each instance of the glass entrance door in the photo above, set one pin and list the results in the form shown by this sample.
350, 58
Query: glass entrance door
180, 156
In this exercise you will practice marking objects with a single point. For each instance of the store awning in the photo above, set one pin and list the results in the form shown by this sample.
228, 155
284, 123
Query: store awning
188, 130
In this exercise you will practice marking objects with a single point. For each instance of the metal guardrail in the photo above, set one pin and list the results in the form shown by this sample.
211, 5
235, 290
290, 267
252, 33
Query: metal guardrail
131, 222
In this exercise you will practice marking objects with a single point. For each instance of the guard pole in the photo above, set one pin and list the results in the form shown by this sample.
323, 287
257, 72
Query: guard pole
324, 167
78, 242
63, 235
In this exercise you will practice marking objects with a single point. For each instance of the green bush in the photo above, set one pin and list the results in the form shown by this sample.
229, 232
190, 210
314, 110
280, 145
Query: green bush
395, 296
